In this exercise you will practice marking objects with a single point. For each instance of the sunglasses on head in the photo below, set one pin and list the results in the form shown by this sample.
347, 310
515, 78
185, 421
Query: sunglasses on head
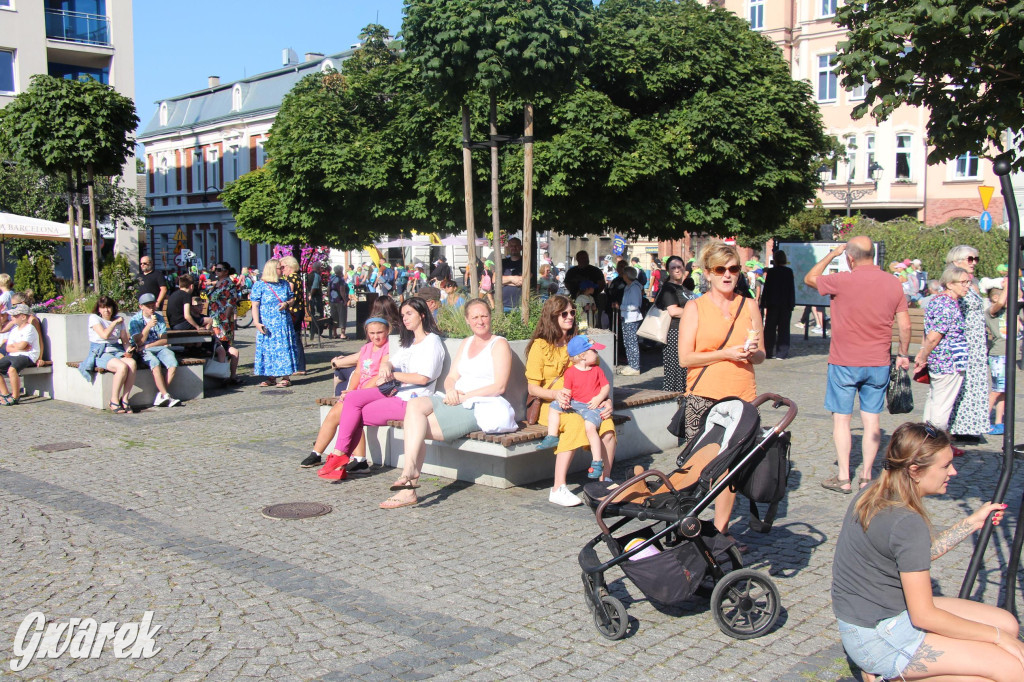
720, 270
566, 314
973, 259
930, 430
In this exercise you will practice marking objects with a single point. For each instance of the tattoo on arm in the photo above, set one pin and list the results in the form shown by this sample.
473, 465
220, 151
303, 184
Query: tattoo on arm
925, 654
950, 538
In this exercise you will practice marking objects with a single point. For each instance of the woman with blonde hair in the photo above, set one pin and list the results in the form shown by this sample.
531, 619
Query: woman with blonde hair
720, 341
276, 351
890, 622
296, 307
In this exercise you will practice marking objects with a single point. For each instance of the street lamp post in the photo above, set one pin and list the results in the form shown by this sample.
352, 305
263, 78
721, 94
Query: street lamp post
849, 195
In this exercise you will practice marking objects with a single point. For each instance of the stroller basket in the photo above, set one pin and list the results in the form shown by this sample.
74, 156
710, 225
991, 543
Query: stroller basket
672, 576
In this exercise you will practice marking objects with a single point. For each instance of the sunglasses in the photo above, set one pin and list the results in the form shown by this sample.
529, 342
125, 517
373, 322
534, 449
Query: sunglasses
930, 430
973, 259
720, 270
566, 314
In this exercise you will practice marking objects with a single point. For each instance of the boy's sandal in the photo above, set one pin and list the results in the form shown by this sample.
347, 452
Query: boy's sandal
406, 483
14, 401
5, 399
835, 483
127, 406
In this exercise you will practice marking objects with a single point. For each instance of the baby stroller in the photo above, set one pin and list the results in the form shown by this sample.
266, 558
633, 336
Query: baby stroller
679, 555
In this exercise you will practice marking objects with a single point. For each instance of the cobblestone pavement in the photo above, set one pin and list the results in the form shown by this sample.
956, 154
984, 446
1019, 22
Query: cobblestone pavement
160, 511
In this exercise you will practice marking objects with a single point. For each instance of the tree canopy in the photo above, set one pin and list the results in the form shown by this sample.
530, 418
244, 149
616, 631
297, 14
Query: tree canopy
963, 59
684, 119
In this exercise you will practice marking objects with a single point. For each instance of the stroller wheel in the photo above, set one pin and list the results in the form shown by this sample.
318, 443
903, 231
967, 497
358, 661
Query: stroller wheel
618, 619
745, 604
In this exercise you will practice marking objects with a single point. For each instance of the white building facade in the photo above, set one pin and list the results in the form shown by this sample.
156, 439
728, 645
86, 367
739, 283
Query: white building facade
196, 144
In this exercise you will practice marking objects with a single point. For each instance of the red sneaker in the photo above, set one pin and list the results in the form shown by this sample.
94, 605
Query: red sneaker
333, 462
336, 475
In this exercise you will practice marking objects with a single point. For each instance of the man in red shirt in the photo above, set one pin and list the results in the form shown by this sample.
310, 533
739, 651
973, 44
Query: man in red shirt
864, 303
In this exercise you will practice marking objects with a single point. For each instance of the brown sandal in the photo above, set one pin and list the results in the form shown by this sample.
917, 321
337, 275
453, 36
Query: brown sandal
836, 484
394, 502
864, 482
405, 482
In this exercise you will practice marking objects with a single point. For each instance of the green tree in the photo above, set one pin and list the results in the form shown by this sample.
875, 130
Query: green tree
45, 284
962, 59
24, 275
67, 128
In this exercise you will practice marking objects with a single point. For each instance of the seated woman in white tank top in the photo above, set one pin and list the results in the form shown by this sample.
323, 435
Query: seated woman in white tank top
472, 401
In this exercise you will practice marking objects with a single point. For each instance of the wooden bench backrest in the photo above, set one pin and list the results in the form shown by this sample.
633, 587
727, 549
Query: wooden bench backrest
916, 331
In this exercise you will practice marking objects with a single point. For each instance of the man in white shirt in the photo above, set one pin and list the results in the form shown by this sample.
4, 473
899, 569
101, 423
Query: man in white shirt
23, 349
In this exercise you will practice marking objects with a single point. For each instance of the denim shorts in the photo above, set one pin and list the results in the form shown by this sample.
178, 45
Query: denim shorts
846, 382
997, 368
162, 355
109, 353
885, 649
589, 415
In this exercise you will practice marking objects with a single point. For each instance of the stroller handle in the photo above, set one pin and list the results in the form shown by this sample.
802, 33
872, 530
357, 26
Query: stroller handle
599, 512
778, 401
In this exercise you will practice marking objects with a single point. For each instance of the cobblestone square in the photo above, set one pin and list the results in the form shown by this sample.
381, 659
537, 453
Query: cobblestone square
161, 512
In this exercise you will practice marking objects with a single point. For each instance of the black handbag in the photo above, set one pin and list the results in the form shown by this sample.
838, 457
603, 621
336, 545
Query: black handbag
899, 397
390, 388
677, 425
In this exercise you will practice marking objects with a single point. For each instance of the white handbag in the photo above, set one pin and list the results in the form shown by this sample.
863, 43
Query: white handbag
655, 325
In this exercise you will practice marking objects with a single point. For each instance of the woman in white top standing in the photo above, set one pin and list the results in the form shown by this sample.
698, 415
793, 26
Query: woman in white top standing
23, 351
412, 367
472, 400
108, 334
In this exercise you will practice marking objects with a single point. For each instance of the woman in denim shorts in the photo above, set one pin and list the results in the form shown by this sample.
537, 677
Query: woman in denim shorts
890, 623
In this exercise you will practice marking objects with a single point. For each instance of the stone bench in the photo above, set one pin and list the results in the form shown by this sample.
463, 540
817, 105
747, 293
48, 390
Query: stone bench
510, 459
187, 384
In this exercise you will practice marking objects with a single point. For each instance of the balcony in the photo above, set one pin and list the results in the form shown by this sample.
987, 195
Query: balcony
78, 27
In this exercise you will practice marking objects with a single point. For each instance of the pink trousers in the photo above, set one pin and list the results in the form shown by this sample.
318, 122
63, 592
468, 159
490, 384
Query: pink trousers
369, 407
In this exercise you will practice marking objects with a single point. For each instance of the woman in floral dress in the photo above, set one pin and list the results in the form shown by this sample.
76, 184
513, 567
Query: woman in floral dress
276, 354
223, 297
970, 413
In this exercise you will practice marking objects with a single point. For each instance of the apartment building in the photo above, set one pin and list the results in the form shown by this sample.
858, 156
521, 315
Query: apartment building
200, 141
70, 39
896, 148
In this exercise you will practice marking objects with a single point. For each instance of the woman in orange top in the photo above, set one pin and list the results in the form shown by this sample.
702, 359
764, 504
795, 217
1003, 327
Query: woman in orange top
718, 367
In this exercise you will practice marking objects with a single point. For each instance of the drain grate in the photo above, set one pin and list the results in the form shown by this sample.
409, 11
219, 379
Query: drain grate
296, 510
60, 447
277, 391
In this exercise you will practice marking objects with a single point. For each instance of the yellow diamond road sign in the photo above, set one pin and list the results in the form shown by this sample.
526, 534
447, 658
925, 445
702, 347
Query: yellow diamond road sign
179, 236
986, 195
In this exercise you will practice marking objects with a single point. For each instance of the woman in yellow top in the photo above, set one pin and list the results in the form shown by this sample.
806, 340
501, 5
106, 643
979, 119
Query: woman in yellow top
546, 361
719, 367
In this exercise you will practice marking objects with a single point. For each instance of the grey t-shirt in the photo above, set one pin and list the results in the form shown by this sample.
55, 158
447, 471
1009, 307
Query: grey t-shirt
866, 570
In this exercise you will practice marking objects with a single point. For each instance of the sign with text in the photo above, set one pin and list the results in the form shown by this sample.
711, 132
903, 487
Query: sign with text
802, 256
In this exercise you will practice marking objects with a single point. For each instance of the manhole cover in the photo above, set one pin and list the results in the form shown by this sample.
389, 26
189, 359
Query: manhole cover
60, 447
277, 391
296, 510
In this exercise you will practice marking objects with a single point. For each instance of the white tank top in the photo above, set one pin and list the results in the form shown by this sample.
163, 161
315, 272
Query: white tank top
478, 371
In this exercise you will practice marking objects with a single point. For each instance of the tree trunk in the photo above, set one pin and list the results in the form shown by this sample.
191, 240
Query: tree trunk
467, 181
73, 242
527, 209
80, 219
95, 235
495, 217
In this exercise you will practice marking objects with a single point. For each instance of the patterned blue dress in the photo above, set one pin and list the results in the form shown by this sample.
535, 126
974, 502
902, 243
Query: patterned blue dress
276, 354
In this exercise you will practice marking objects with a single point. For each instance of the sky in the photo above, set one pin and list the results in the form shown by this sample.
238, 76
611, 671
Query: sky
179, 43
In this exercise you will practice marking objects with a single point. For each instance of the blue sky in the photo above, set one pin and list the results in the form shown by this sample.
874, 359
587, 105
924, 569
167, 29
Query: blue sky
179, 43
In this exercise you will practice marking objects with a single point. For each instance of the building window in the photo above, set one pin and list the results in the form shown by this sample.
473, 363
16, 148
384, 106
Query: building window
197, 171
78, 21
72, 72
827, 80
213, 167
161, 183
828, 8
869, 149
327, 65
967, 167
163, 113
261, 156
6, 72
231, 166
756, 14
236, 98
5, 4
851, 156
858, 92
903, 156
